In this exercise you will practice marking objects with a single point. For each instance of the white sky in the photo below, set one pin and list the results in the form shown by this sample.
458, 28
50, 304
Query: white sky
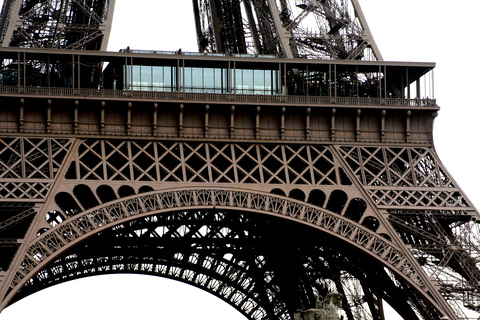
409, 30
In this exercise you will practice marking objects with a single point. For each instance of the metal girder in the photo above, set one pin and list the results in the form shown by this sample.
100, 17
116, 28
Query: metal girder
268, 226
387, 174
90, 185
8, 242
314, 29
72, 24
327, 29
242, 258
16, 219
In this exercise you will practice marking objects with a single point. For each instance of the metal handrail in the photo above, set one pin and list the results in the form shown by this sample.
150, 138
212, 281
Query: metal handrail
196, 96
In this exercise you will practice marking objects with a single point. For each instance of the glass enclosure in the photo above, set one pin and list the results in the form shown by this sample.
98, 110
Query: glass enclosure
210, 74
151, 78
201, 80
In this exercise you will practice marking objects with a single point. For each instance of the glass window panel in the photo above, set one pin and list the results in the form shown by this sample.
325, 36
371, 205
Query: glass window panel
169, 78
146, 77
218, 79
269, 81
259, 84
197, 80
209, 80
188, 79
238, 81
248, 81
129, 77
158, 81
136, 78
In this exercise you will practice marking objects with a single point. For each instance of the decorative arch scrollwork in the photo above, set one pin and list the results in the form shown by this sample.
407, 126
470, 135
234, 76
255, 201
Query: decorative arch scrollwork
61, 237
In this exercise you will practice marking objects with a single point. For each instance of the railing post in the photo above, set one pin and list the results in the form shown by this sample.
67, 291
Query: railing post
384, 113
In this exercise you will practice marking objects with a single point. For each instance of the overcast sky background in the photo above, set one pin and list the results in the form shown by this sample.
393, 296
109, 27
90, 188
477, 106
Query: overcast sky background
409, 30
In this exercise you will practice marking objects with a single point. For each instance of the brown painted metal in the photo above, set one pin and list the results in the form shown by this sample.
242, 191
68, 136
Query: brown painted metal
79, 163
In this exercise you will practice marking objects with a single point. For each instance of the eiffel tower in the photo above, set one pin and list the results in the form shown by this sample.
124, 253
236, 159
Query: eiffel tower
283, 162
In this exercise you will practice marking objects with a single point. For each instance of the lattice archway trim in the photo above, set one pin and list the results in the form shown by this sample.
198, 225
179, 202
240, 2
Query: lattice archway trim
60, 238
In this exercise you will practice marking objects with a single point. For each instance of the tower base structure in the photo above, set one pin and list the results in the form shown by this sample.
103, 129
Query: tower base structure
268, 182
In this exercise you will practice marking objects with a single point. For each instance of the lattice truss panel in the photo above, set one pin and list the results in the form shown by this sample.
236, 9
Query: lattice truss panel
446, 244
206, 162
444, 235
29, 165
404, 177
327, 29
72, 24
265, 267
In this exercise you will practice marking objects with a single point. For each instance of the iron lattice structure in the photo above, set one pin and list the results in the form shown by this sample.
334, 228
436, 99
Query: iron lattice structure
268, 182
72, 24
323, 29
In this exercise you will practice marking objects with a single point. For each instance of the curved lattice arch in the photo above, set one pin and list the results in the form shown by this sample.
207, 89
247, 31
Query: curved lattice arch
59, 239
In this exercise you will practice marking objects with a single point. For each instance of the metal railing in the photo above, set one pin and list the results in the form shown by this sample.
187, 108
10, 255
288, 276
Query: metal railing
221, 97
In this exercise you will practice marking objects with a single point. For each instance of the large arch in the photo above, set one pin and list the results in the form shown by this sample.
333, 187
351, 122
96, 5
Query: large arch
51, 250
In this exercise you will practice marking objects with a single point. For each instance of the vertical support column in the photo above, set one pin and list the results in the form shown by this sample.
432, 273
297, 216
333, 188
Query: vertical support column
49, 116
75, 118
408, 84
385, 94
22, 156
307, 127
335, 83
126, 85
357, 130
21, 118
419, 90
207, 121
183, 77
50, 161
24, 70
155, 123
407, 133
180, 121
232, 122
234, 78
78, 73
102, 118
229, 81
257, 123
383, 130
380, 88
73, 72
332, 129
330, 83
19, 71
282, 124
279, 80
129, 119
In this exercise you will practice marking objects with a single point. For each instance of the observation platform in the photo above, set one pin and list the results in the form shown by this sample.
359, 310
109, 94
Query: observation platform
215, 96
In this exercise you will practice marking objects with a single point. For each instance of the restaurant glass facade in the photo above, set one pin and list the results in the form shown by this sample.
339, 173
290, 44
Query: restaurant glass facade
202, 80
